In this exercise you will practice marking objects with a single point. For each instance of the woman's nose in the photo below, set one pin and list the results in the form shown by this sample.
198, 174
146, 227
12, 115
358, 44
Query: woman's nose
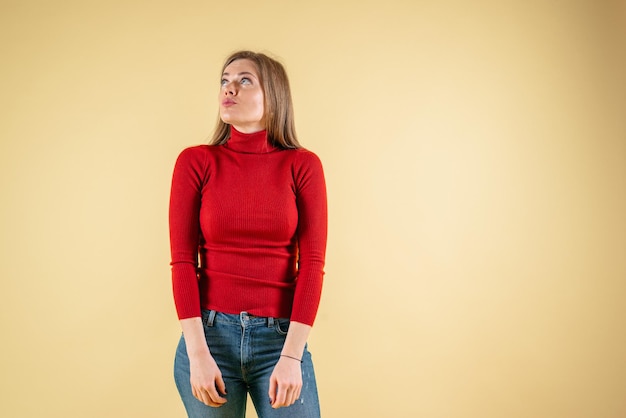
229, 88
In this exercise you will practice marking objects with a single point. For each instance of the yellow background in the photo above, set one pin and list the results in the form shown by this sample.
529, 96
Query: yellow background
475, 154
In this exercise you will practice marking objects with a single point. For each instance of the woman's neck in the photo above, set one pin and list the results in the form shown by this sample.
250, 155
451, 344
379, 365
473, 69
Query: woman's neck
249, 143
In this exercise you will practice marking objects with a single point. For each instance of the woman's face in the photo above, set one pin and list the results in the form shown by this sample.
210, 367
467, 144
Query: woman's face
241, 97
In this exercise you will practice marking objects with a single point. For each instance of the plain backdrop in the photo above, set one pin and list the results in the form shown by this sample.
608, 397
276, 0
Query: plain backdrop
475, 155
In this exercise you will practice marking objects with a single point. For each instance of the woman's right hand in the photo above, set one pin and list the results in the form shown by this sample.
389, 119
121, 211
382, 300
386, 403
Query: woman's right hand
205, 376
207, 384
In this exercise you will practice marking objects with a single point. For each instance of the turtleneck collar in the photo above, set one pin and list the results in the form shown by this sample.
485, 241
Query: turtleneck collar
254, 143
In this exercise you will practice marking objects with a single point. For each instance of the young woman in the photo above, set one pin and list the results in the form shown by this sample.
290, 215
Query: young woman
248, 224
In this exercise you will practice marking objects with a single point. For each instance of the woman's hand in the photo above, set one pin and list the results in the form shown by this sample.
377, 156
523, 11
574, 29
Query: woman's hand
205, 376
285, 382
286, 379
206, 380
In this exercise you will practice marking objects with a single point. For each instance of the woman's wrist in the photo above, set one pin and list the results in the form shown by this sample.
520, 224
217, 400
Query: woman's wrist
291, 357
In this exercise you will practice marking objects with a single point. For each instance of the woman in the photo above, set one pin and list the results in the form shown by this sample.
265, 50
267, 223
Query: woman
248, 238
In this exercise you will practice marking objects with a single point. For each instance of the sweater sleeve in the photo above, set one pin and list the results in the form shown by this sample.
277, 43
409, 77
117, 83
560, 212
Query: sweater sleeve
184, 223
312, 234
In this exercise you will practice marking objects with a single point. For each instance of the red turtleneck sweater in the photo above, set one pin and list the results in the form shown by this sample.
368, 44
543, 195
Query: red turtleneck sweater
248, 229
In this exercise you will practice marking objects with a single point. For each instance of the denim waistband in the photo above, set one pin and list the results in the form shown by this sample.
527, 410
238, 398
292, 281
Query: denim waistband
210, 317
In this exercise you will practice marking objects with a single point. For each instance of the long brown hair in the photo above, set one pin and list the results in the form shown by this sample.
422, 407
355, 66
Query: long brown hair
278, 107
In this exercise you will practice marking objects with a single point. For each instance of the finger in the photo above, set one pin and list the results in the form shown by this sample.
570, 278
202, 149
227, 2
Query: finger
272, 391
281, 396
295, 395
214, 402
284, 395
206, 399
202, 396
289, 398
298, 393
208, 395
294, 392
221, 386
214, 397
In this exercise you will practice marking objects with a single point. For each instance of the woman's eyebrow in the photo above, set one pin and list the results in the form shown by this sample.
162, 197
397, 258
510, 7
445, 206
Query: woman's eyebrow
240, 74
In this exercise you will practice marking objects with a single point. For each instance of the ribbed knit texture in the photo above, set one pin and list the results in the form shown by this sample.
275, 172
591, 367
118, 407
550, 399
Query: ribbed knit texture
248, 228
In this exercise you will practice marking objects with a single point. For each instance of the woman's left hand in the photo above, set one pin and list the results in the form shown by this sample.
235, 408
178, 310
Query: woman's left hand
285, 382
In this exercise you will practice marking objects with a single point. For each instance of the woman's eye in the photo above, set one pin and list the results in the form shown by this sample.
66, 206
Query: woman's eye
223, 82
246, 80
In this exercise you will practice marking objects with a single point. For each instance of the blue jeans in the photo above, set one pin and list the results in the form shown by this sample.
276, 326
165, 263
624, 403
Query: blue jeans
246, 348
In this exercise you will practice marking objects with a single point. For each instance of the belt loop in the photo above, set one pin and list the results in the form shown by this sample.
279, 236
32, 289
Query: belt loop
270, 322
210, 320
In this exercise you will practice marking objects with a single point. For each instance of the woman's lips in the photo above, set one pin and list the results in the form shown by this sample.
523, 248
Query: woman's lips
228, 103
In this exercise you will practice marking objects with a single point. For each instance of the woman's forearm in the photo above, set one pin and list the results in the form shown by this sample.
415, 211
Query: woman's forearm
193, 331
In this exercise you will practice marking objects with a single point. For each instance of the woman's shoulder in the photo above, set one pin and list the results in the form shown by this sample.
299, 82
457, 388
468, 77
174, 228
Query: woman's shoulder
196, 157
198, 152
306, 163
195, 151
306, 156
